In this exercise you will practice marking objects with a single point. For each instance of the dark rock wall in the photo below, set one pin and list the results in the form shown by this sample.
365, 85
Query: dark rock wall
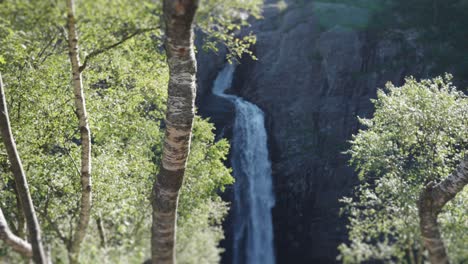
318, 65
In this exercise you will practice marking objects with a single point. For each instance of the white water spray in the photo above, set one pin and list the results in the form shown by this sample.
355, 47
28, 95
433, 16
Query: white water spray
253, 191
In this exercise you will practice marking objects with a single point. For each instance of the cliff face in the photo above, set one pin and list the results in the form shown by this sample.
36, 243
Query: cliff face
318, 66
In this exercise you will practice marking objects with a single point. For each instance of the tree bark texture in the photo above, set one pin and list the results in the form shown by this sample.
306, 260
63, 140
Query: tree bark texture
178, 18
85, 134
15, 242
431, 201
20, 181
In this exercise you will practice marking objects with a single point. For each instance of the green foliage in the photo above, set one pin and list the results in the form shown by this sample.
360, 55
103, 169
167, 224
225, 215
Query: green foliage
126, 92
418, 134
201, 210
221, 21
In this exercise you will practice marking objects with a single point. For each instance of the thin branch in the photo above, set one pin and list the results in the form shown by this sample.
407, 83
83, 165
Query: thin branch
106, 48
43, 50
102, 233
55, 227
70, 231
74, 163
15, 242
20, 180
53, 224
21, 218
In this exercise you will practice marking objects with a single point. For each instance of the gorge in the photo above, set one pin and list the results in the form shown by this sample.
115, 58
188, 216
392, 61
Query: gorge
304, 131
319, 64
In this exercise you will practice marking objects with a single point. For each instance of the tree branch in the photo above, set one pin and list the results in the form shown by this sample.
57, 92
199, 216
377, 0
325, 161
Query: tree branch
20, 181
444, 191
431, 201
106, 48
15, 242
55, 227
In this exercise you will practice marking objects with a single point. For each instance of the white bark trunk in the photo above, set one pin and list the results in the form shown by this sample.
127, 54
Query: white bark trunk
178, 17
85, 133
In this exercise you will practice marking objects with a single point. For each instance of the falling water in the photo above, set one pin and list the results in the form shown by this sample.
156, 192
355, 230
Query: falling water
253, 191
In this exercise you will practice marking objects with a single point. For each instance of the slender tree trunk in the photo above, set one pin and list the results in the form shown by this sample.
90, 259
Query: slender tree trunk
411, 255
20, 181
419, 256
431, 201
15, 242
102, 233
85, 133
178, 18
21, 221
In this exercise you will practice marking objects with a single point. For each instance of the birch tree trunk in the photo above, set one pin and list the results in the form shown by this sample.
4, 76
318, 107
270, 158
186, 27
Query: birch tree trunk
431, 201
20, 181
178, 18
80, 104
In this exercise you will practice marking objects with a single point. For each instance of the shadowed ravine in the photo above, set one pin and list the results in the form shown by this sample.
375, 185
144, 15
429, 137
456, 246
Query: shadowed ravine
253, 191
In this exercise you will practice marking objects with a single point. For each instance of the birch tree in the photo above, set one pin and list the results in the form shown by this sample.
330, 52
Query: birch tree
126, 98
178, 19
22, 187
85, 136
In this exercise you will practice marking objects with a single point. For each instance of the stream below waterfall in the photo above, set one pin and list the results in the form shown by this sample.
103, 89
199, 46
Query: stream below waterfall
253, 190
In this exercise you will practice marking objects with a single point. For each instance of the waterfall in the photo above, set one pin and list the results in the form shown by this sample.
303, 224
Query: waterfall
253, 191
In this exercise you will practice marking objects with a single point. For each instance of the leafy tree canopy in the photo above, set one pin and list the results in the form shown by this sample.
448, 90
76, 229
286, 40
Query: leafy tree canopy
419, 133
